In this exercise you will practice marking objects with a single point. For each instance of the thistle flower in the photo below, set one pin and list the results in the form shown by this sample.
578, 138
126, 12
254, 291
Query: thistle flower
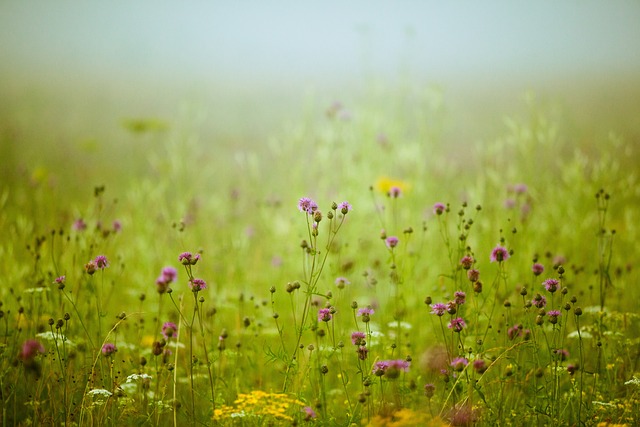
391, 242
499, 254
365, 313
101, 262
459, 363
429, 390
537, 269
439, 309
362, 352
309, 413
79, 225
459, 297
480, 366
439, 208
307, 205
551, 285
197, 285
457, 324
395, 192
539, 301
553, 316
324, 315
169, 330
357, 338
341, 282
90, 267
345, 207
473, 275
30, 349
187, 258
466, 262
108, 349
390, 368
60, 280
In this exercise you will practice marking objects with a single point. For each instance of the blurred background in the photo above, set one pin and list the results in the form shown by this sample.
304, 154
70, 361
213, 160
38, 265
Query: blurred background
72, 70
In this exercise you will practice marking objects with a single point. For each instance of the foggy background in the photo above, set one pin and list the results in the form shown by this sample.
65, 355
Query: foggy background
142, 57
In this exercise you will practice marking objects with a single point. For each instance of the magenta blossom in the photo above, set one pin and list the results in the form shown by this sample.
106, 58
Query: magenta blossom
539, 301
101, 262
167, 276
460, 297
309, 413
551, 285
79, 225
341, 282
473, 275
439, 309
108, 349
537, 269
324, 315
459, 363
60, 280
499, 254
345, 207
187, 258
395, 192
439, 208
457, 324
30, 349
357, 338
390, 368
169, 330
392, 242
307, 205
466, 262
197, 285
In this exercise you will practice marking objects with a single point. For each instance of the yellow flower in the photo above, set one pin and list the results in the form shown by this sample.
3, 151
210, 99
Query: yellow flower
384, 184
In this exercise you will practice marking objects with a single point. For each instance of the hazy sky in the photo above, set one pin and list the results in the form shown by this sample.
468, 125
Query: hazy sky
260, 40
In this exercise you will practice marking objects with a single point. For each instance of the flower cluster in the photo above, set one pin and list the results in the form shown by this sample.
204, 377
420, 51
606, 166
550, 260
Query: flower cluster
167, 276
187, 258
390, 368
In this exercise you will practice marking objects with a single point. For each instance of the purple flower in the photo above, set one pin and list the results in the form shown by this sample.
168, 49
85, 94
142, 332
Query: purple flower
101, 262
439, 208
439, 309
345, 207
60, 280
480, 366
187, 258
520, 188
537, 269
429, 390
554, 313
362, 352
168, 275
391, 242
341, 282
366, 313
324, 315
390, 368
499, 254
395, 192
30, 349
307, 205
197, 285
90, 267
309, 413
117, 226
357, 338
108, 349
509, 203
466, 262
473, 275
79, 225
551, 285
562, 354
459, 363
169, 330
460, 297
457, 324
514, 331
539, 301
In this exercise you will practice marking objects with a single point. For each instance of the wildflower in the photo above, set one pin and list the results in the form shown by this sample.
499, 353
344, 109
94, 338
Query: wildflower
466, 262
187, 258
307, 205
309, 413
324, 315
429, 390
452, 308
167, 276
108, 349
509, 203
30, 349
385, 184
499, 254
520, 188
365, 312
439, 208
117, 226
345, 207
480, 366
438, 309
391, 242
197, 285
539, 301
457, 324
553, 316
473, 275
459, 297
394, 192
390, 368
562, 354
169, 330
341, 282
459, 363
362, 351
514, 331
551, 285
60, 280
357, 338
537, 269
79, 225
90, 267
571, 369
101, 262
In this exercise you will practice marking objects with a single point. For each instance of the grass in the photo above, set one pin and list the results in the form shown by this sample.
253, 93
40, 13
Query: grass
355, 313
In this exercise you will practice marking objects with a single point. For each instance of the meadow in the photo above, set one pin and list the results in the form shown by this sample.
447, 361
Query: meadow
352, 267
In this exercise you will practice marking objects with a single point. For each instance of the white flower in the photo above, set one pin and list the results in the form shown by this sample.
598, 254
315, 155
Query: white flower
135, 377
100, 392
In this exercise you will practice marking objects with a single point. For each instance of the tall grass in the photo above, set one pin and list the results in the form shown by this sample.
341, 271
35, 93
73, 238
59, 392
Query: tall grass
417, 282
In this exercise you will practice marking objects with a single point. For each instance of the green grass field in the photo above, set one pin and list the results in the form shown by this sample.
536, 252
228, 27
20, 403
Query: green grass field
160, 265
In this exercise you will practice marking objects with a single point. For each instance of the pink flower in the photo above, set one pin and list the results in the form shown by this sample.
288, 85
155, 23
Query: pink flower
345, 207
391, 242
537, 269
457, 324
499, 254
439, 208
439, 309
101, 262
108, 349
307, 205
324, 315
30, 349
169, 330
197, 285
551, 285
187, 258
357, 338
